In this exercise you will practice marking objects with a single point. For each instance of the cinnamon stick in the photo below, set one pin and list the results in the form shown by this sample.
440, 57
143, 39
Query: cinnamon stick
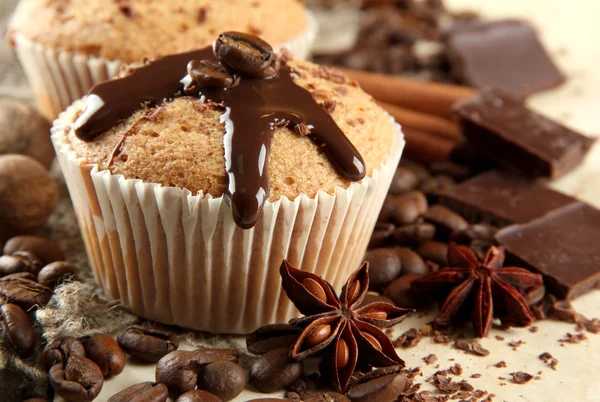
422, 121
426, 97
425, 147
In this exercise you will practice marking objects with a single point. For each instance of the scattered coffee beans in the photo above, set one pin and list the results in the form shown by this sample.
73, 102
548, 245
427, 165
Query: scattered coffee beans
147, 344
144, 392
24, 293
56, 273
198, 395
445, 220
178, 370
381, 389
400, 291
434, 251
211, 355
274, 371
46, 250
18, 329
106, 353
80, 380
412, 263
384, 267
407, 208
61, 350
413, 235
404, 181
223, 379
272, 337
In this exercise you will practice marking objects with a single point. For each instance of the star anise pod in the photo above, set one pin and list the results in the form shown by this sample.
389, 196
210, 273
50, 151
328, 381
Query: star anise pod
480, 291
349, 334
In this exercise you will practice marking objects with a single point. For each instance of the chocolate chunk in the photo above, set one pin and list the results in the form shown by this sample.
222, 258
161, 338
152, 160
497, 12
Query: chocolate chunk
504, 54
518, 139
502, 199
562, 246
520, 377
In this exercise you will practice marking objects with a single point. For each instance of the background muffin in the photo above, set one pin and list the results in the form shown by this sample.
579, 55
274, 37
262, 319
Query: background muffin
176, 255
67, 47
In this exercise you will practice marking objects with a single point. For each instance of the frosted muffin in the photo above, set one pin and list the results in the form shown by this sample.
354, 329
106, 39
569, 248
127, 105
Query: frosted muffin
189, 204
67, 47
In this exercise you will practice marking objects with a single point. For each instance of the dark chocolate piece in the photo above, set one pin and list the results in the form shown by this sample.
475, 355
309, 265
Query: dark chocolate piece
518, 139
502, 199
255, 106
562, 246
503, 54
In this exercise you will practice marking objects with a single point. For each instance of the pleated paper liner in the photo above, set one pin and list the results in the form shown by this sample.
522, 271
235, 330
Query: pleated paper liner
58, 78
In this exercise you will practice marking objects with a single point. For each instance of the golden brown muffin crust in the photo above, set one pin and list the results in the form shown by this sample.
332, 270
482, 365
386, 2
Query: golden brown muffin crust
129, 30
180, 143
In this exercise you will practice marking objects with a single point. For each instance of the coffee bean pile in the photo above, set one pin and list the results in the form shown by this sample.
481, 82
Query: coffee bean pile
413, 231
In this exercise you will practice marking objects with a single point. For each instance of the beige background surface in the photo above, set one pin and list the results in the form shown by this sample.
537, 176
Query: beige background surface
571, 31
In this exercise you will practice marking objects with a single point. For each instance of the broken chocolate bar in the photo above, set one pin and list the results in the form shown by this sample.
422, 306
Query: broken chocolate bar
562, 246
502, 199
517, 138
503, 54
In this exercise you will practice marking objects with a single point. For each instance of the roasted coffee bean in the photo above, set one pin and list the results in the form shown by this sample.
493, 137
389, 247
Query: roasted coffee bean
208, 73
211, 355
106, 353
412, 263
372, 297
223, 379
147, 344
381, 389
245, 54
178, 370
198, 395
417, 169
401, 293
36, 400
480, 231
22, 275
381, 234
408, 207
387, 209
18, 329
384, 267
274, 371
24, 293
60, 350
56, 273
79, 381
144, 392
437, 184
535, 295
445, 220
413, 235
20, 261
325, 397
271, 337
404, 181
452, 169
46, 250
434, 251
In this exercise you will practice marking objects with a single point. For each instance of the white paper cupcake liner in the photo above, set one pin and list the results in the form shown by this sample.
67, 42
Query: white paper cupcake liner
58, 78
179, 258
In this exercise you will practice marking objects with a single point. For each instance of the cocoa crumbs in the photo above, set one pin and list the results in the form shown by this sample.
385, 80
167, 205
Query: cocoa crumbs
429, 359
515, 344
456, 369
479, 350
499, 338
521, 377
408, 339
500, 364
572, 338
533, 329
476, 375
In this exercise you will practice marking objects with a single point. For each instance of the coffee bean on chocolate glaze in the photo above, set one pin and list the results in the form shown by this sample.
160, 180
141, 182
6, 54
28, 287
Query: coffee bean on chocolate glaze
271, 337
46, 250
413, 235
144, 392
384, 267
412, 263
178, 370
208, 73
56, 273
24, 293
18, 329
198, 395
405, 209
274, 371
106, 353
60, 350
20, 261
445, 220
223, 379
401, 293
245, 54
434, 251
381, 234
147, 344
80, 380
404, 181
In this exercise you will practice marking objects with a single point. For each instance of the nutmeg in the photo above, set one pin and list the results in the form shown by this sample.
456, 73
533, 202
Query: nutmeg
28, 194
24, 131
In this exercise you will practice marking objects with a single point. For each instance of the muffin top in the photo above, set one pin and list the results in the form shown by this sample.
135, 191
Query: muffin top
129, 30
182, 142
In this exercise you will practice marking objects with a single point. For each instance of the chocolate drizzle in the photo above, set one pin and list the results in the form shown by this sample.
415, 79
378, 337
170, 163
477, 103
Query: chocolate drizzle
255, 107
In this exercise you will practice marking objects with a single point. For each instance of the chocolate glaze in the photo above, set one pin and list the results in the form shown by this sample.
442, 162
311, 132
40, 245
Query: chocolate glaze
256, 105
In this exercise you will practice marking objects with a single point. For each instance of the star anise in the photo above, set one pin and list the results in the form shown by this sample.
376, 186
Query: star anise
481, 290
349, 334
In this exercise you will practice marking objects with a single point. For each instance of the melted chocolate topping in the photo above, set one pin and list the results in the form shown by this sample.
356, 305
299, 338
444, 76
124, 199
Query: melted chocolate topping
256, 105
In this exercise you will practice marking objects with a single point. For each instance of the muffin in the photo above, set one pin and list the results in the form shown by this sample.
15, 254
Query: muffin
168, 195
67, 47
